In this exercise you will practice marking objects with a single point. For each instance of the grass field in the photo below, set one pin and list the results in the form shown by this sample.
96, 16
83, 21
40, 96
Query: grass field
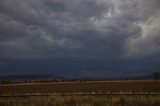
85, 87
88, 93
83, 101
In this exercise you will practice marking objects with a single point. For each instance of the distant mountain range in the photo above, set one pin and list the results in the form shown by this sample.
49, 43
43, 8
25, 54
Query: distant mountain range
145, 77
52, 77
31, 77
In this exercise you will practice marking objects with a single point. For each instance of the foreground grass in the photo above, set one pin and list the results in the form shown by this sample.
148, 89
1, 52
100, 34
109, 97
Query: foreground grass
139, 100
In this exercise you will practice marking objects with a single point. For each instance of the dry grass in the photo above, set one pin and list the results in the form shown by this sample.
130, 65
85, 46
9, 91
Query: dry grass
83, 101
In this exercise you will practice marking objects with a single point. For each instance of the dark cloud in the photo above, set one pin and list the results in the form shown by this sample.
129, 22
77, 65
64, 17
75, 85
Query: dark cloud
115, 31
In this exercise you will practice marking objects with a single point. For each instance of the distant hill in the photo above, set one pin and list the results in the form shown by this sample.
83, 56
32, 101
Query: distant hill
145, 77
47, 77
150, 76
31, 77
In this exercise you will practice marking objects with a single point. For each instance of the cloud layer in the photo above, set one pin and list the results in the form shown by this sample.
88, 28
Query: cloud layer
107, 29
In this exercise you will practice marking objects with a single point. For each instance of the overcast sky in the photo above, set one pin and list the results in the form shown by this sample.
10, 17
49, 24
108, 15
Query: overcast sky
80, 38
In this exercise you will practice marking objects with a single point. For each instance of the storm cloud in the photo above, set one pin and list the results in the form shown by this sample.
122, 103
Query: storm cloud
102, 37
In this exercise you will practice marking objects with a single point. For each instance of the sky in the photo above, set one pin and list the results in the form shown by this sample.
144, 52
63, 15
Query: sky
80, 38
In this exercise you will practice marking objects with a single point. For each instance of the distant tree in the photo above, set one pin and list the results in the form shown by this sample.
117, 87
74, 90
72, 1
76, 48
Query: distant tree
5, 81
156, 76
